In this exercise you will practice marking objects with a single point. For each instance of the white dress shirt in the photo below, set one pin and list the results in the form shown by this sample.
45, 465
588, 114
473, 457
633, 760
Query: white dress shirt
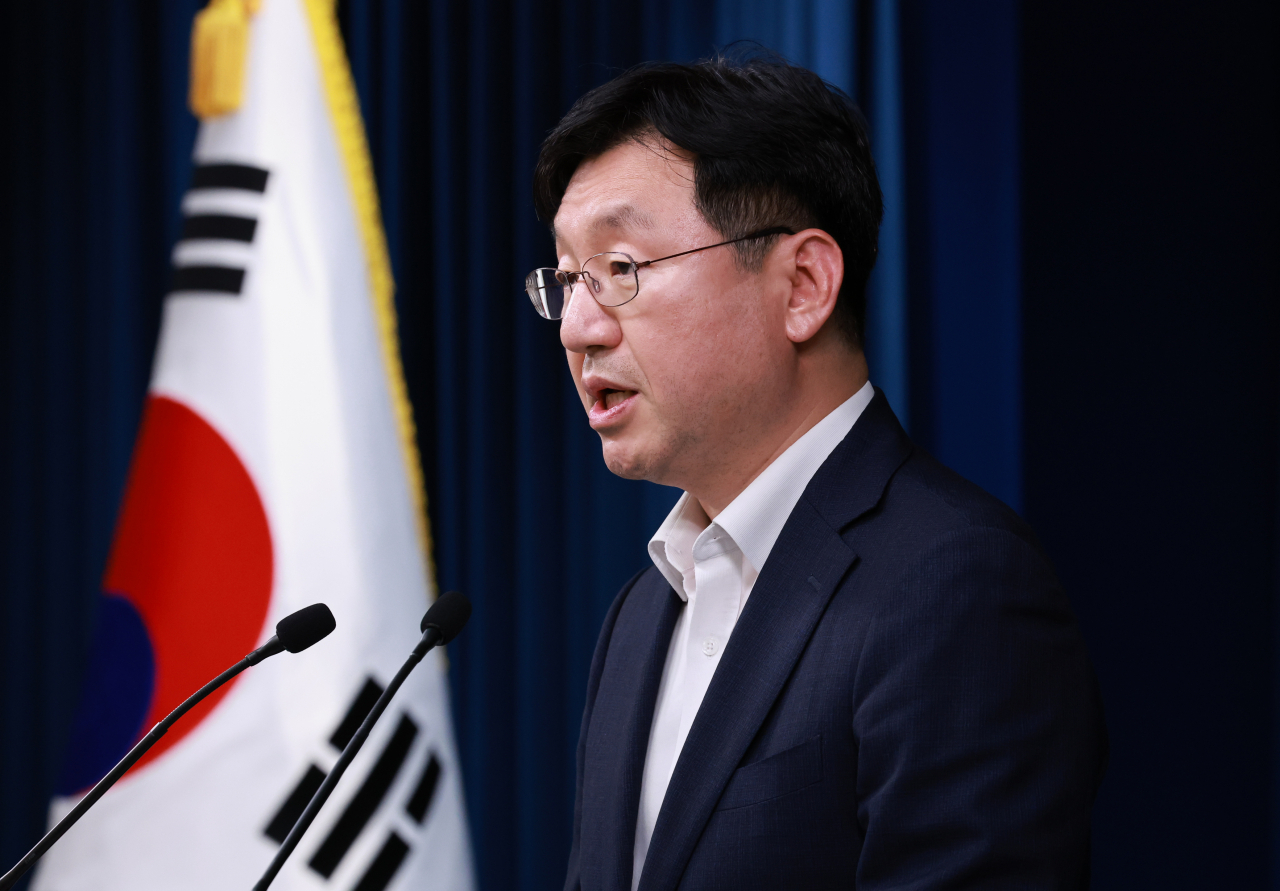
712, 567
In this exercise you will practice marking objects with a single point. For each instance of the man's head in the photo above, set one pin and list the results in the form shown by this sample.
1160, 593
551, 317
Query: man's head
771, 144
722, 346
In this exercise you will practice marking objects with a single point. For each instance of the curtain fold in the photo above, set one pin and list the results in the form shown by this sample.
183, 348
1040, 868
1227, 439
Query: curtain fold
95, 157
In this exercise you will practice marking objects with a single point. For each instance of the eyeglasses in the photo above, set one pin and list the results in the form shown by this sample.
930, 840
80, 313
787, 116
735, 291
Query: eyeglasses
611, 277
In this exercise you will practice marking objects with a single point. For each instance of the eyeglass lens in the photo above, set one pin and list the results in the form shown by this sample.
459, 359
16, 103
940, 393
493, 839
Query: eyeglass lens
611, 277
549, 291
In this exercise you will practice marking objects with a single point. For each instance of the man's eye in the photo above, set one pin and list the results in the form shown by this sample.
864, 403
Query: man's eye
622, 268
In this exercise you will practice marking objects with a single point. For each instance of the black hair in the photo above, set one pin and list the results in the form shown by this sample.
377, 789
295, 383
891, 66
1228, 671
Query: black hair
772, 144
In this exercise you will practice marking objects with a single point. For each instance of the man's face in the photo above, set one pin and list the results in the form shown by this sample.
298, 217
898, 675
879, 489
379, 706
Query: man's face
677, 380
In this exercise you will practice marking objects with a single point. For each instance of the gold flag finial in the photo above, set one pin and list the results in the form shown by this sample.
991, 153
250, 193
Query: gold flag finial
219, 47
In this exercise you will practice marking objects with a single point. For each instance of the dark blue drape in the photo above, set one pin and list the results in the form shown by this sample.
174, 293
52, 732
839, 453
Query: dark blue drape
1037, 274
964, 254
1152, 376
95, 149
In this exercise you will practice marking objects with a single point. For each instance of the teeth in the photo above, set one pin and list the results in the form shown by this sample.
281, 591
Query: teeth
613, 397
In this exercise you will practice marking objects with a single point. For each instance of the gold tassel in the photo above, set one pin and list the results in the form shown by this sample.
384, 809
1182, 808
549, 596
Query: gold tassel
219, 47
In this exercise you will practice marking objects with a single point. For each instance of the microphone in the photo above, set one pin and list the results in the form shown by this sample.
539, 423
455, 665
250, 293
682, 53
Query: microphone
440, 625
446, 618
295, 632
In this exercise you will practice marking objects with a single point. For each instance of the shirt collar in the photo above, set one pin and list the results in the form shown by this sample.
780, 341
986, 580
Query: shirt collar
671, 548
754, 519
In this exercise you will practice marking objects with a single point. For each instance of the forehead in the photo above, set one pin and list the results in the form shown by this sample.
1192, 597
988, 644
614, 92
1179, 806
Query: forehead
632, 188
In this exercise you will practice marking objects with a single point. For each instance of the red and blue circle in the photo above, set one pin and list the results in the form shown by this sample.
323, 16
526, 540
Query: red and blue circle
186, 591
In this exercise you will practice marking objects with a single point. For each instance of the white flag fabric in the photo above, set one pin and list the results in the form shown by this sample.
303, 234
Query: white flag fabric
275, 468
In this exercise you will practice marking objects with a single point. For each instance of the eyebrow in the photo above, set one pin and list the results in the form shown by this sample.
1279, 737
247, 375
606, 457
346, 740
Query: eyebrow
622, 216
618, 216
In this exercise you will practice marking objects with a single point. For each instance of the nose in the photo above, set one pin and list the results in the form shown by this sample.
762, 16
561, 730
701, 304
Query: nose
587, 326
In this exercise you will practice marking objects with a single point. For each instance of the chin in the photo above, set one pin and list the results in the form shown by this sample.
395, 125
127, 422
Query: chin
627, 469
628, 463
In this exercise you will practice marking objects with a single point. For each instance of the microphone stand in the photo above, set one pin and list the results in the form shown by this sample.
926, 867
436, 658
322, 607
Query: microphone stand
430, 638
10, 878
295, 632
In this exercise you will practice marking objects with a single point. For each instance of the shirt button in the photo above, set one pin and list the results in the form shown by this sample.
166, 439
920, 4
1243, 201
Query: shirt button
709, 646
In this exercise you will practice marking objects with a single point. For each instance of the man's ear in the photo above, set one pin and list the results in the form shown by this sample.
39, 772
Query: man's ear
816, 266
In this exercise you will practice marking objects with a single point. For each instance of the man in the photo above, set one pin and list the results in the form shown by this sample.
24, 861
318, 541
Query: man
847, 667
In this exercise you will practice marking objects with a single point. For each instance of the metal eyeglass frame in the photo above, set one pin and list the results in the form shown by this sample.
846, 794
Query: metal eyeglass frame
582, 275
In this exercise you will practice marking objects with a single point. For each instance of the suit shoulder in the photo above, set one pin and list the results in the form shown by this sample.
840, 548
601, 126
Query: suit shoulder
934, 536
936, 501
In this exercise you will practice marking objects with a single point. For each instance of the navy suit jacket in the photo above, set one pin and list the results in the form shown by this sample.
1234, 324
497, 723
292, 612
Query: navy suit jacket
905, 703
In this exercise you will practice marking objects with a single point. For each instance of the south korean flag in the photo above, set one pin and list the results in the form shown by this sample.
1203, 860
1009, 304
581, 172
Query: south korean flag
275, 467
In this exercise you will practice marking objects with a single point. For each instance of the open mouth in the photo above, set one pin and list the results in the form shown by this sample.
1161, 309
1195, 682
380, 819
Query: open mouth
609, 398
610, 407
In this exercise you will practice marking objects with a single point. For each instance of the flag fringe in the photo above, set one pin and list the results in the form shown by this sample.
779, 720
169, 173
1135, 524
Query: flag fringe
344, 108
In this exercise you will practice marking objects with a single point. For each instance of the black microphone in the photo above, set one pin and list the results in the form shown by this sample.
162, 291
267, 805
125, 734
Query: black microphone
295, 632
440, 625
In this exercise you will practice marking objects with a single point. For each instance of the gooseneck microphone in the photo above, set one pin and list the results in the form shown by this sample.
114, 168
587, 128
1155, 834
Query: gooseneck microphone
295, 632
440, 625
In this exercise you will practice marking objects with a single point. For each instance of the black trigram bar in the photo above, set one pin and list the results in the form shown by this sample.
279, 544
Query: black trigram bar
222, 279
229, 176
278, 829
366, 800
384, 866
360, 708
215, 225
420, 801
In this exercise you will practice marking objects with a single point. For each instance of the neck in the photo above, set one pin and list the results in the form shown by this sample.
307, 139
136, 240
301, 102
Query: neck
819, 392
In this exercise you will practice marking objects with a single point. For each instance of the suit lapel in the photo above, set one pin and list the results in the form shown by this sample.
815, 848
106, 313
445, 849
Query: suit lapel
770, 635
619, 731
805, 567
853, 479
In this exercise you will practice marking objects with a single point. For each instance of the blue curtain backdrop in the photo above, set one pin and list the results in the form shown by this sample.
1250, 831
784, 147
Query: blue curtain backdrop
95, 156
996, 175
1152, 380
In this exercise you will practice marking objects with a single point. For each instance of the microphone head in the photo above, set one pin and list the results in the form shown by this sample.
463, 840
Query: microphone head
449, 613
299, 630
